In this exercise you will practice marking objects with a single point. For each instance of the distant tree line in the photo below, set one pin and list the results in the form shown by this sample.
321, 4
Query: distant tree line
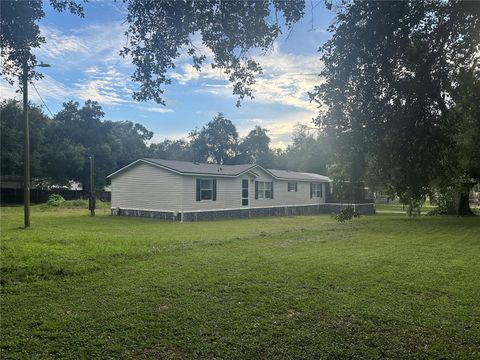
61, 146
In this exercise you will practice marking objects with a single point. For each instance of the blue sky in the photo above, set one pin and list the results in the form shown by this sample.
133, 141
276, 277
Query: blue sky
86, 65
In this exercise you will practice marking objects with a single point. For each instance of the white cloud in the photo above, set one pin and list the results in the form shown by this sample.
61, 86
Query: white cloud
106, 85
189, 73
159, 110
93, 53
85, 45
60, 46
280, 128
48, 87
7, 91
286, 79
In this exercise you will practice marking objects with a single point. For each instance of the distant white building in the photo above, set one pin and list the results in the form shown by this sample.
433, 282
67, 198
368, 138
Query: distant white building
192, 191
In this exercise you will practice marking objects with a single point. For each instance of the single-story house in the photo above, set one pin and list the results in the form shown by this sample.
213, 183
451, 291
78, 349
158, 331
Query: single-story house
182, 190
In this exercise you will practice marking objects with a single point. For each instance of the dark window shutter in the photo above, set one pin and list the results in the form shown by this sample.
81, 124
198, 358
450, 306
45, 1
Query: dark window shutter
271, 192
198, 189
321, 190
311, 191
214, 196
295, 187
256, 190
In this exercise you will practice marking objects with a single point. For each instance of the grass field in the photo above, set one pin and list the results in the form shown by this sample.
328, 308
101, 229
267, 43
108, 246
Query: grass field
401, 208
270, 288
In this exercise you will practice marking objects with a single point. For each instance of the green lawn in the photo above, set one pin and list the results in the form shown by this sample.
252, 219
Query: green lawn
270, 288
401, 208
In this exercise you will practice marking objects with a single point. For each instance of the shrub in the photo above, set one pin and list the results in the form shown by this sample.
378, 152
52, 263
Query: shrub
443, 201
55, 200
346, 214
78, 203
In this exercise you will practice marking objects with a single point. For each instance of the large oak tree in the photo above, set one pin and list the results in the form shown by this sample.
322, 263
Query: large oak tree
392, 75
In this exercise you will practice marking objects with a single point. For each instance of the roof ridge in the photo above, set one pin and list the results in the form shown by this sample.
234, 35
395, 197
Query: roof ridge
226, 170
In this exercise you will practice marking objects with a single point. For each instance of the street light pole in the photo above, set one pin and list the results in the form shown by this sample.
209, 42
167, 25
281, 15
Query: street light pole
26, 147
26, 143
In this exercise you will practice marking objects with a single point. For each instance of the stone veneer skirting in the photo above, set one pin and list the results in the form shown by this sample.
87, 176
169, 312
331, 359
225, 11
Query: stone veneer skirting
290, 210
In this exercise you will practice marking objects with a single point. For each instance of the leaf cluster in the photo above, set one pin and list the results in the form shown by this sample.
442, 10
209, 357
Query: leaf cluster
346, 214
20, 34
392, 82
160, 31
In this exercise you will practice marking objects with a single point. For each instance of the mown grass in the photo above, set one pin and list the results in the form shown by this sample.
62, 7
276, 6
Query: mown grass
293, 287
399, 208
396, 207
75, 204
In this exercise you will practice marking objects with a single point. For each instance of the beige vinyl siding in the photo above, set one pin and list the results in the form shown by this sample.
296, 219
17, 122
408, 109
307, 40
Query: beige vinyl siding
148, 187
281, 196
229, 193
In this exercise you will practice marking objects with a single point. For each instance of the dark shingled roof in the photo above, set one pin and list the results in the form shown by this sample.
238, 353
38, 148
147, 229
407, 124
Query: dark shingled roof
293, 175
201, 168
186, 167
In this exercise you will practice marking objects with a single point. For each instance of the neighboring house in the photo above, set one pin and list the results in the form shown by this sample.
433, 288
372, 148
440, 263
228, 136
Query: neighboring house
183, 190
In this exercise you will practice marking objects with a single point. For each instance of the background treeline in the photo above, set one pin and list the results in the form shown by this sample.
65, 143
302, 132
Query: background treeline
61, 145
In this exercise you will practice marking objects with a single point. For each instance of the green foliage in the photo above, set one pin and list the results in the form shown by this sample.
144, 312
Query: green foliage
310, 151
443, 203
171, 150
78, 203
11, 132
55, 200
20, 34
216, 142
73, 204
254, 148
159, 30
393, 71
269, 288
61, 146
346, 214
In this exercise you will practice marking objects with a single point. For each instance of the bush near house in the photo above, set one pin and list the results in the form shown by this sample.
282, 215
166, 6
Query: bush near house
55, 200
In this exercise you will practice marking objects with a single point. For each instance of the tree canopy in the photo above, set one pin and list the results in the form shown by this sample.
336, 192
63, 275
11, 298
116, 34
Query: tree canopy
216, 142
255, 148
62, 145
159, 31
20, 33
392, 80
11, 131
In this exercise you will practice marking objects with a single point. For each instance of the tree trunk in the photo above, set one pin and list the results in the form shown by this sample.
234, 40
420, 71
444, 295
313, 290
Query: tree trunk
413, 208
460, 203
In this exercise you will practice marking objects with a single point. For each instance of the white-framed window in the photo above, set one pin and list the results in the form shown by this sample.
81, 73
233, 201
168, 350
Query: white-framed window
206, 189
264, 190
316, 190
292, 187
244, 192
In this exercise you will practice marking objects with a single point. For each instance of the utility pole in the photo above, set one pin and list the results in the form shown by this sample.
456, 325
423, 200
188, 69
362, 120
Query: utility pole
91, 200
26, 144
26, 148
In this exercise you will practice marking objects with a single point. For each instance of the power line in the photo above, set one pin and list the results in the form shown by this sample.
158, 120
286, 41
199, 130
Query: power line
40, 96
